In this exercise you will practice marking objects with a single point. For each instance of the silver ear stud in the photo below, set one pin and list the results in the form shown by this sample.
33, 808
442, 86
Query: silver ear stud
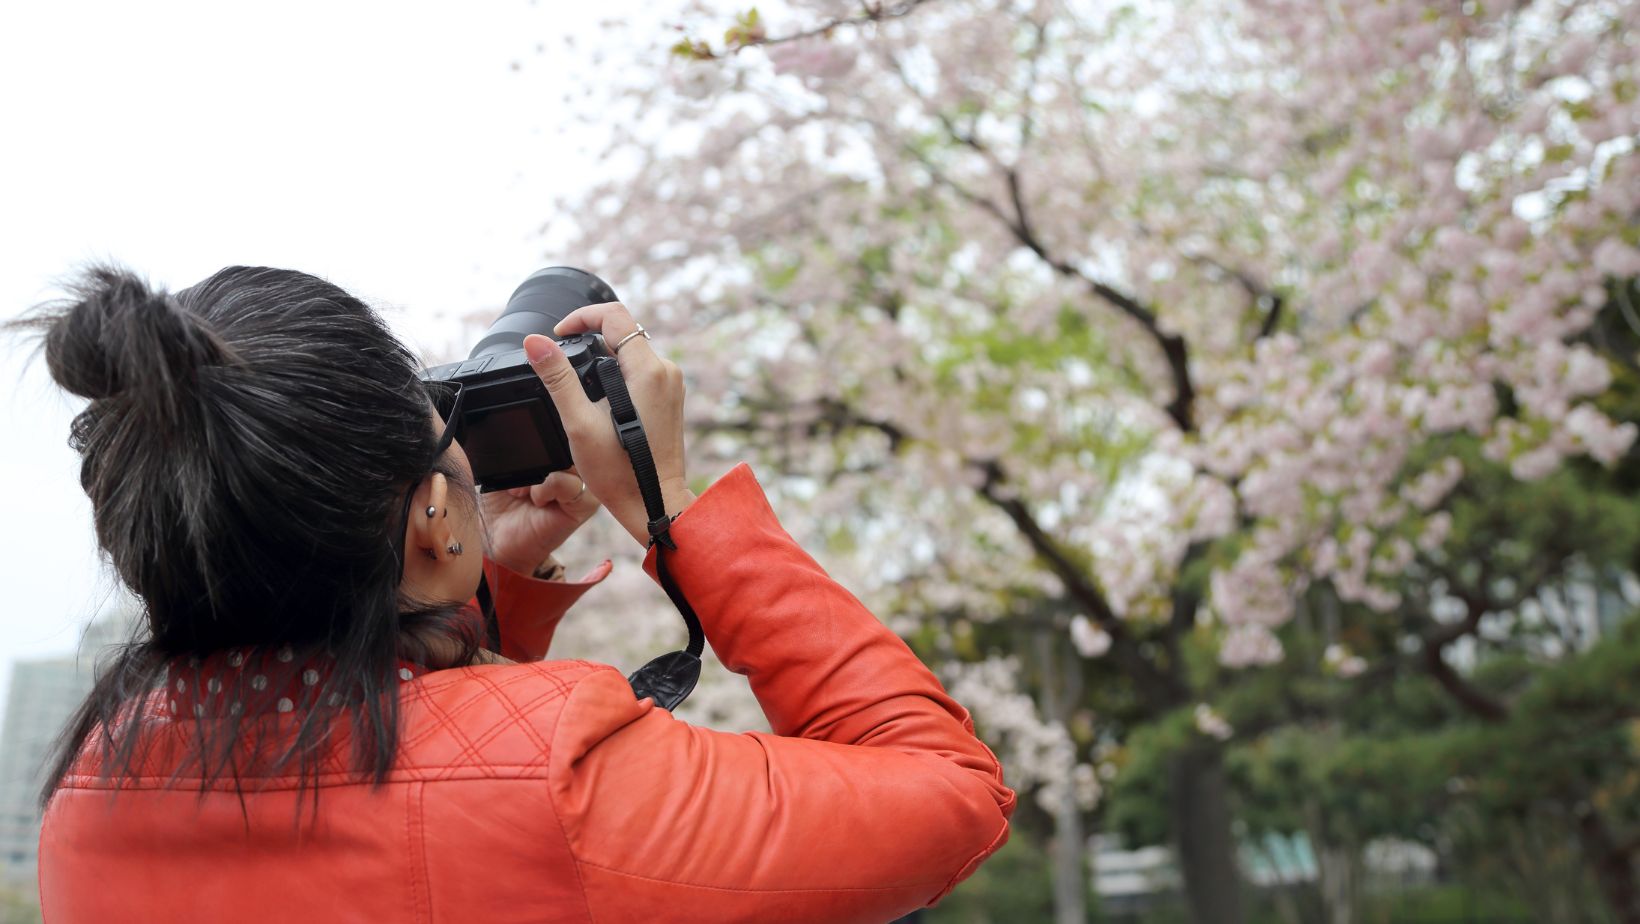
430, 511
453, 548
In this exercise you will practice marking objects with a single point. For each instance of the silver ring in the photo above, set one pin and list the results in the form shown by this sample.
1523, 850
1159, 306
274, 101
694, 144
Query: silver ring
580, 492
640, 332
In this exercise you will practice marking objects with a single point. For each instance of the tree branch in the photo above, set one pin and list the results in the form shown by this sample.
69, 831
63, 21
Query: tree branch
1467, 695
1173, 347
1262, 295
1471, 698
872, 12
1018, 223
1161, 690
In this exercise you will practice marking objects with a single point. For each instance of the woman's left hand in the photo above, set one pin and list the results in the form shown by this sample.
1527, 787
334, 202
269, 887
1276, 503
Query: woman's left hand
528, 524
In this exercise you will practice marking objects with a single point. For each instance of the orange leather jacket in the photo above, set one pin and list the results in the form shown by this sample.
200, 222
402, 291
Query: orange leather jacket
545, 791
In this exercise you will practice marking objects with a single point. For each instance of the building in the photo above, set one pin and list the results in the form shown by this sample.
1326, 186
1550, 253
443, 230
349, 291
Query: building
44, 693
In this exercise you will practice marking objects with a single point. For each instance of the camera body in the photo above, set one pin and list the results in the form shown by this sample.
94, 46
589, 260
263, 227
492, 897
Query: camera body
501, 412
508, 425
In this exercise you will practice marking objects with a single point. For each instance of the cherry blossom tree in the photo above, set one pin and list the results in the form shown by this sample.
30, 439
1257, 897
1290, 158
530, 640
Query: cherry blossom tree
1127, 322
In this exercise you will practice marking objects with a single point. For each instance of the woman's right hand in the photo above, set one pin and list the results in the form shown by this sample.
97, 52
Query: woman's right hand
656, 387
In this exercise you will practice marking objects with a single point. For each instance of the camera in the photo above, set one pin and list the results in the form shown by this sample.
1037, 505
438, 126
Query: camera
507, 423
498, 407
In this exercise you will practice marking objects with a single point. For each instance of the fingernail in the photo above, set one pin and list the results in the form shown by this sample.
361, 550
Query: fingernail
538, 348
558, 328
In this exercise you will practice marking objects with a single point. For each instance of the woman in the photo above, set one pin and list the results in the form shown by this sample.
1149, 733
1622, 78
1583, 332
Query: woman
308, 729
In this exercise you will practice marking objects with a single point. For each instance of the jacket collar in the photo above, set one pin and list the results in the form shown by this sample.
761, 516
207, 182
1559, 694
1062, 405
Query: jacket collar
246, 681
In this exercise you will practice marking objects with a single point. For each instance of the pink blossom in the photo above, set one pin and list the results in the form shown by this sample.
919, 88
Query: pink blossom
813, 58
1249, 646
1211, 724
1598, 436
1586, 372
1340, 661
1435, 531
1090, 640
1253, 592
1429, 488
1617, 259
1535, 463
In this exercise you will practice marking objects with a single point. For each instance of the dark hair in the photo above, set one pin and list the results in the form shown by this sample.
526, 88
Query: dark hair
248, 448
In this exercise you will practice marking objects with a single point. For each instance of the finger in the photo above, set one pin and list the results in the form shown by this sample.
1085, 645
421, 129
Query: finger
615, 322
583, 503
580, 503
563, 385
560, 487
588, 318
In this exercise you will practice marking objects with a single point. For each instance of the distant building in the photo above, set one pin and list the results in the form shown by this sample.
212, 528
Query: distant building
1130, 882
44, 693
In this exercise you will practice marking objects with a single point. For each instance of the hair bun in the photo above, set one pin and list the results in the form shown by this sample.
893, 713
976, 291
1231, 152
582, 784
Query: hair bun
121, 336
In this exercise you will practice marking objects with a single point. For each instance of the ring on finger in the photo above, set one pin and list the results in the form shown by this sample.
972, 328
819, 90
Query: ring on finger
580, 492
640, 332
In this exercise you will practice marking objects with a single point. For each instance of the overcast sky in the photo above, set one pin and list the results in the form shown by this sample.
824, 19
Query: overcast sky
390, 147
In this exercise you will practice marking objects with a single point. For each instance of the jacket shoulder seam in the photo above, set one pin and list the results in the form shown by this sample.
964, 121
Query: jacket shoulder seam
421, 886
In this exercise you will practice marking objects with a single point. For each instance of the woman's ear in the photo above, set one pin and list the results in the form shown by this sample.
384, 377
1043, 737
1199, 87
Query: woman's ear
429, 532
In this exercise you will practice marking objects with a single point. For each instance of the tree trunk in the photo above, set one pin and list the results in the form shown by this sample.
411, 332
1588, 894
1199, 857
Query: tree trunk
1285, 896
1070, 862
1206, 846
1613, 866
1338, 867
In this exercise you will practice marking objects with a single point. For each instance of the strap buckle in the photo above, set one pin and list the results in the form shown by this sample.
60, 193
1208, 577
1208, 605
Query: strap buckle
660, 530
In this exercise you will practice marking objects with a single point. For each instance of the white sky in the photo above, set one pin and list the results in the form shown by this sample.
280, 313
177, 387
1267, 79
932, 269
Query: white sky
390, 147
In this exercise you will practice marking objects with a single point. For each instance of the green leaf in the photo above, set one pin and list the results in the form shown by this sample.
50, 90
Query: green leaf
747, 30
693, 50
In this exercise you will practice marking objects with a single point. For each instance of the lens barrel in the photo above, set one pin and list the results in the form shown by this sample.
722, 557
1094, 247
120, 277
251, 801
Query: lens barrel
539, 303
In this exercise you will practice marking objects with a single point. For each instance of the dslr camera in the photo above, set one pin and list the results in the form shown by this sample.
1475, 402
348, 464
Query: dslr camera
497, 406
507, 423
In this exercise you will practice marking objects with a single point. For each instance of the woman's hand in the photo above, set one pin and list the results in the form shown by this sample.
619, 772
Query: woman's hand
528, 524
656, 386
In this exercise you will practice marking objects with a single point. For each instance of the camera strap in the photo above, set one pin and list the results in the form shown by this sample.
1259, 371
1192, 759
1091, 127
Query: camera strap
670, 678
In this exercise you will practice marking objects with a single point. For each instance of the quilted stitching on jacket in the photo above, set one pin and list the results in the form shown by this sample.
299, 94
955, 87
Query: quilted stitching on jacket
490, 722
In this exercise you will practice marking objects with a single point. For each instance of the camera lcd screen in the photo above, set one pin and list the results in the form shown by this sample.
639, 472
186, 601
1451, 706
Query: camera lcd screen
506, 440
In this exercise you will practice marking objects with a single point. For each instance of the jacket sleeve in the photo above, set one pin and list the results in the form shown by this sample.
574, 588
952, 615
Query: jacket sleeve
871, 798
529, 610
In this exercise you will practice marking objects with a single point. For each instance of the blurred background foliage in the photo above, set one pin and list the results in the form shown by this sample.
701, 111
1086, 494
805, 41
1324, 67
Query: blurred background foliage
1520, 787
1363, 273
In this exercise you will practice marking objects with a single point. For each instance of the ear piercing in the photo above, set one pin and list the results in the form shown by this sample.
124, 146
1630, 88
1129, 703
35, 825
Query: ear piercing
454, 548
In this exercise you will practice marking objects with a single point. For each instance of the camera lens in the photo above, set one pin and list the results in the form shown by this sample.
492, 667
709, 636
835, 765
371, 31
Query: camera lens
539, 303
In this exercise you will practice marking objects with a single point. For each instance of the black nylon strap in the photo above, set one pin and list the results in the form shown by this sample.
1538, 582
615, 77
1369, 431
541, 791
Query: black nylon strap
697, 637
629, 429
486, 605
670, 678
